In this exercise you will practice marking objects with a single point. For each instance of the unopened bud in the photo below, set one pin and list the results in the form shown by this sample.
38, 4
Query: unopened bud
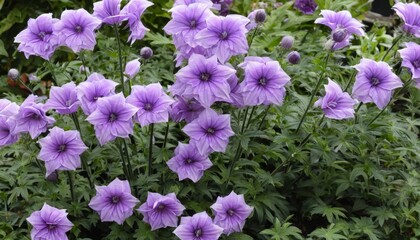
146, 52
260, 16
339, 34
53, 177
287, 42
293, 57
13, 74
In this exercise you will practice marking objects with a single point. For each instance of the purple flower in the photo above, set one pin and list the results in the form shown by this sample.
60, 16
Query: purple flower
222, 6
76, 30
306, 6
108, 11
8, 112
230, 212
205, 79
210, 132
336, 104
198, 227
254, 18
375, 82
134, 10
49, 223
112, 118
186, 109
132, 68
343, 25
411, 58
7, 108
188, 2
188, 162
152, 102
410, 14
95, 87
32, 117
225, 36
63, 99
188, 20
236, 92
185, 51
287, 42
264, 83
114, 202
161, 211
38, 39
61, 150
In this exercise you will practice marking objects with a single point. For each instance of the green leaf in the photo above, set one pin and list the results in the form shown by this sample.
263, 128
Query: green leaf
3, 51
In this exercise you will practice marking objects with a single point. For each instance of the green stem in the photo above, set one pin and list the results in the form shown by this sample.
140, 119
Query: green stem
304, 38
130, 168
264, 116
166, 135
392, 46
51, 68
70, 176
318, 84
350, 80
127, 176
117, 35
150, 150
26, 86
250, 116
82, 57
252, 37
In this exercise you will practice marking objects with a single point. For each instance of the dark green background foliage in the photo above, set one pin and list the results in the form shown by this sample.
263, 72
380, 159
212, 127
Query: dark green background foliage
350, 180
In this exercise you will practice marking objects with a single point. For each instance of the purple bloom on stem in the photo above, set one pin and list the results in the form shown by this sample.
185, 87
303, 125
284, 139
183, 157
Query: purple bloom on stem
134, 10
410, 14
188, 2
336, 104
188, 162
32, 117
236, 92
306, 6
230, 212
152, 102
108, 11
112, 118
132, 68
188, 20
210, 132
411, 58
61, 150
225, 36
198, 227
186, 109
38, 39
264, 83
253, 21
76, 30
185, 51
375, 82
205, 79
343, 25
161, 211
114, 202
95, 87
63, 99
49, 223
8, 112
8, 108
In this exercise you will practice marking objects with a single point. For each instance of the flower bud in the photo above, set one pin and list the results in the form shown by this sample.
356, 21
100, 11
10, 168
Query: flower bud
287, 42
33, 78
329, 44
260, 16
146, 52
339, 35
13, 74
293, 57
53, 177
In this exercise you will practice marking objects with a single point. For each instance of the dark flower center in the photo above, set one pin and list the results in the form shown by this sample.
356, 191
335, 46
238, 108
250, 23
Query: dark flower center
51, 226
147, 107
41, 35
161, 207
62, 148
262, 81
78, 29
97, 97
374, 81
189, 161
416, 63
210, 130
68, 103
115, 199
35, 116
205, 76
223, 35
198, 232
332, 104
230, 212
193, 24
339, 34
112, 117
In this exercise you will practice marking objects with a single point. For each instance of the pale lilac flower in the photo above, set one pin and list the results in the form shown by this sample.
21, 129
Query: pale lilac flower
114, 202
255, 17
134, 10
343, 25
410, 14
32, 117
188, 20
108, 11
225, 36
161, 211
76, 30
152, 102
112, 118
95, 87
132, 68
222, 6
61, 150
287, 42
210, 132
306, 6
336, 104
8, 112
205, 80
39, 38
411, 58
185, 51
264, 83
230, 212
198, 227
236, 92
63, 99
188, 2
186, 109
8, 108
49, 223
188, 162
375, 82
